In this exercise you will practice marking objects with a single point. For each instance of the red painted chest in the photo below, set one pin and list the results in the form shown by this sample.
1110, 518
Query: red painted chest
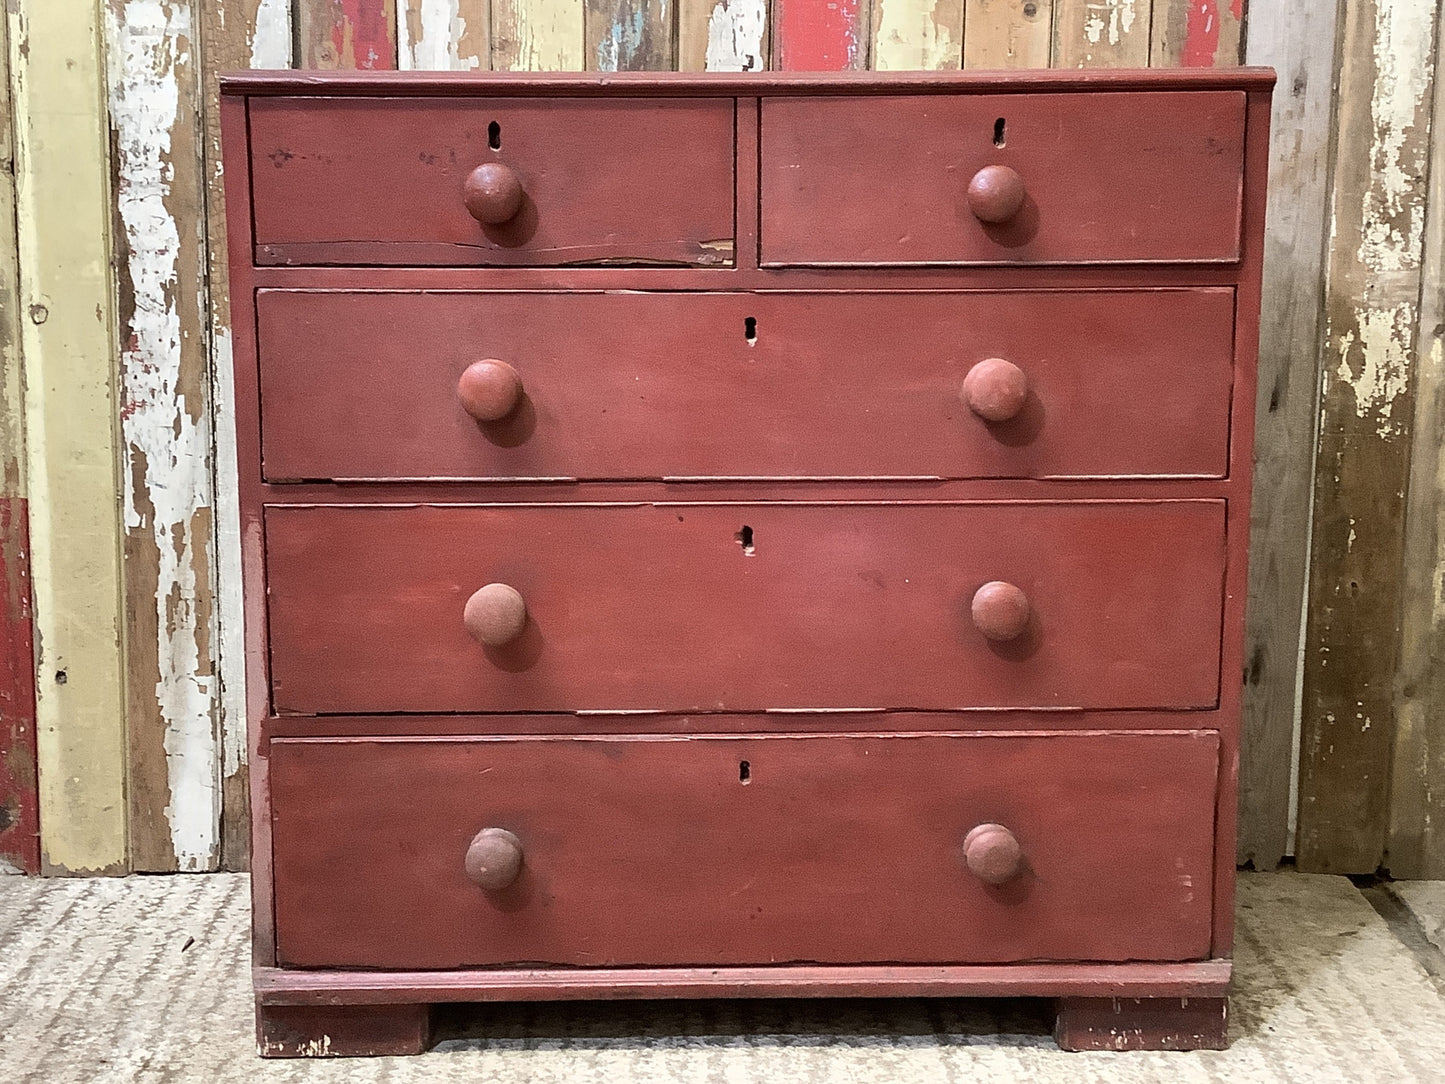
716, 536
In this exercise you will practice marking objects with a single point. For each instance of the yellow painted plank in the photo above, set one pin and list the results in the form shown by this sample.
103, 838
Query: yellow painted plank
64, 219
1101, 33
444, 35
1007, 33
723, 35
917, 35
538, 35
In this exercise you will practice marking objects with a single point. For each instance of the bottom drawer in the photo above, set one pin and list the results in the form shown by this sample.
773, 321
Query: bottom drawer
744, 850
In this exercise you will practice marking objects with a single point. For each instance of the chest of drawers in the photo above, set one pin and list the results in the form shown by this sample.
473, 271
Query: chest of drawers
744, 537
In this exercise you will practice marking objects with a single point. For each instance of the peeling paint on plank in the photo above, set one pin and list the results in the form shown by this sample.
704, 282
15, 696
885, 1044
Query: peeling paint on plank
165, 422
820, 35
444, 35
1101, 33
629, 35
347, 34
538, 35
914, 35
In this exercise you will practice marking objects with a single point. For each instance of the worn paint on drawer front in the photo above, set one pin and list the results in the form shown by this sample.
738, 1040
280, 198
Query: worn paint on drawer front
758, 850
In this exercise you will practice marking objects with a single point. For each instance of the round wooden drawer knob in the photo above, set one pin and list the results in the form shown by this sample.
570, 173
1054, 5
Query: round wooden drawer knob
1000, 610
995, 389
992, 853
495, 615
494, 859
489, 390
493, 194
995, 194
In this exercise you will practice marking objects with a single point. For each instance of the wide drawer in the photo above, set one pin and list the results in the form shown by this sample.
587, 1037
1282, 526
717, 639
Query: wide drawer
382, 180
758, 850
1105, 177
614, 386
744, 607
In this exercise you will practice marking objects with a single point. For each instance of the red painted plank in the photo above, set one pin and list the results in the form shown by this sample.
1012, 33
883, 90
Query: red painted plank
726, 850
1107, 178
660, 606
364, 385
341, 180
19, 798
820, 35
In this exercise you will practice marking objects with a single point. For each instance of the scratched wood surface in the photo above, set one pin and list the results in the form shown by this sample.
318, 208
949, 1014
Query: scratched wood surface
19, 798
71, 418
1301, 46
1416, 845
1357, 545
1008, 33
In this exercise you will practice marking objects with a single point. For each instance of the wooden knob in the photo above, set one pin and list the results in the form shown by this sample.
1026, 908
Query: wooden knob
495, 615
992, 853
489, 390
1000, 610
494, 859
995, 194
995, 389
492, 193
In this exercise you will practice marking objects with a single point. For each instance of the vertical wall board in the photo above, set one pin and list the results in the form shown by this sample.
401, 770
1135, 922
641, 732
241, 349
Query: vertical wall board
912, 35
19, 799
346, 34
234, 35
1416, 847
1101, 33
538, 35
1008, 33
63, 214
444, 35
722, 35
820, 35
154, 93
1205, 33
1372, 303
631, 35
1300, 45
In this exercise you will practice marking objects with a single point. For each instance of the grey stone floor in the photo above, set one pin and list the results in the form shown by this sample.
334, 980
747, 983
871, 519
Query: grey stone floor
146, 979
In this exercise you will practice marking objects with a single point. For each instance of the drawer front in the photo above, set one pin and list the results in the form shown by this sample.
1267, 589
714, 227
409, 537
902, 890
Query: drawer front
1104, 177
744, 607
384, 181
365, 385
832, 849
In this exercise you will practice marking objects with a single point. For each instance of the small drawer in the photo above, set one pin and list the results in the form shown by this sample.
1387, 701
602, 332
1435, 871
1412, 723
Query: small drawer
400, 181
1003, 179
952, 848
745, 607
644, 386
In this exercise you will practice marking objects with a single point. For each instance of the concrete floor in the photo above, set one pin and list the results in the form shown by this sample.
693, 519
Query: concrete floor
147, 979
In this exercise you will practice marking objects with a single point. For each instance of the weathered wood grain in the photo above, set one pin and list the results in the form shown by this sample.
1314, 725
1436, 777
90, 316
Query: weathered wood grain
1007, 33
722, 35
336, 34
1417, 794
811, 36
1206, 33
1372, 305
630, 35
912, 35
1101, 34
1301, 46
19, 799
539, 35
443, 35
251, 34
165, 449
63, 216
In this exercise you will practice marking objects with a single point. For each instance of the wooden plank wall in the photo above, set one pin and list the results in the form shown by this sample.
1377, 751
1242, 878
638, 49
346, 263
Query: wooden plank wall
119, 430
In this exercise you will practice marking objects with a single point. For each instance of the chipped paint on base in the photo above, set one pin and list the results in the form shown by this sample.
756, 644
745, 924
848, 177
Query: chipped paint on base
735, 32
166, 440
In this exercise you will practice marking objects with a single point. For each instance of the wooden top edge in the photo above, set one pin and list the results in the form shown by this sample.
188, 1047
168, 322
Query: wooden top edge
702, 84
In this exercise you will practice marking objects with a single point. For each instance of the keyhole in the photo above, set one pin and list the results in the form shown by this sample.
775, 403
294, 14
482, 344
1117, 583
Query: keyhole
745, 540
745, 772
750, 330
998, 132
494, 136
